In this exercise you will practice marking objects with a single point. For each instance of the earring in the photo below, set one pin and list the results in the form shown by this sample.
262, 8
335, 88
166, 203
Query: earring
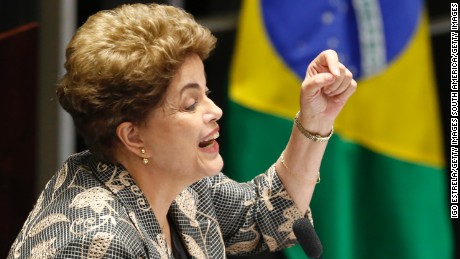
144, 160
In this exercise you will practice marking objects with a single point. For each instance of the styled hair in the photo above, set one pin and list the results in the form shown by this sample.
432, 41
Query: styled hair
119, 65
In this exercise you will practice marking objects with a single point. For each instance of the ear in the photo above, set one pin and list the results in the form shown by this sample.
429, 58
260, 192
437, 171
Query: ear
129, 135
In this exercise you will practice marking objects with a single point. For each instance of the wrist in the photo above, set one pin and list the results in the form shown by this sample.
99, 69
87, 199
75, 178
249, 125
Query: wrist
313, 126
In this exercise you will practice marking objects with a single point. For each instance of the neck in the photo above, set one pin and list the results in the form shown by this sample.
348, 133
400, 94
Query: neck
160, 188
160, 191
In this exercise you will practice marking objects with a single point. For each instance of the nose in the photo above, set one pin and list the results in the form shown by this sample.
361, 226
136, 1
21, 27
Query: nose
214, 112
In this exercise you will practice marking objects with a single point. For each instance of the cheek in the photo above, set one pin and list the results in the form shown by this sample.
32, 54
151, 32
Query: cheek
176, 138
179, 139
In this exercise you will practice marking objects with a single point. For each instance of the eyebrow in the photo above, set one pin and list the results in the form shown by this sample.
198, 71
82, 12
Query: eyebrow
189, 86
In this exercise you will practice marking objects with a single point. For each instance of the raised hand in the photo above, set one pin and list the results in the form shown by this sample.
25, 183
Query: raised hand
326, 88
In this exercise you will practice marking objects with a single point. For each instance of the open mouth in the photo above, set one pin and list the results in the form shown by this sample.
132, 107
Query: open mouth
209, 141
204, 144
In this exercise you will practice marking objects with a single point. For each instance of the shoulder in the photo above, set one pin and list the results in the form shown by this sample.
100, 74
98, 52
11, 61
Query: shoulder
76, 210
84, 221
94, 244
211, 182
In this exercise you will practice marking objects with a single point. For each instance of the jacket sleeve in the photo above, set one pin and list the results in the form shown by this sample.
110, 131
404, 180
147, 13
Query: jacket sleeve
256, 215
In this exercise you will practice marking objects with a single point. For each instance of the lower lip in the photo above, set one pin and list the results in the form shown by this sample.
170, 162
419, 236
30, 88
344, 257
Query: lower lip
213, 148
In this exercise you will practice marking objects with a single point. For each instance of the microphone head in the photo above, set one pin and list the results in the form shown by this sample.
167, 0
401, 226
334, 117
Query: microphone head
307, 237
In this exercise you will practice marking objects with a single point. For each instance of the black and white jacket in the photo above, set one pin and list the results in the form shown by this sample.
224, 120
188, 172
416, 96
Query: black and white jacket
95, 210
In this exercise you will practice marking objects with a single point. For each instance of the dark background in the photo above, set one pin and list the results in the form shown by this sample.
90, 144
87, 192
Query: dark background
18, 148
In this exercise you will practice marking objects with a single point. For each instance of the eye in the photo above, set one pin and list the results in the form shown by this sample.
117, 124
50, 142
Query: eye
196, 99
192, 107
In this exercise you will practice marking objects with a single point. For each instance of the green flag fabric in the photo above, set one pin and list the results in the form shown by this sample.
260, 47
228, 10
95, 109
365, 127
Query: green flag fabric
382, 190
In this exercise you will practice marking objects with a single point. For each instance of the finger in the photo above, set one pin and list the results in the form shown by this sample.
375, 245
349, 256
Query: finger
343, 97
338, 81
344, 84
326, 61
332, 61
313, 84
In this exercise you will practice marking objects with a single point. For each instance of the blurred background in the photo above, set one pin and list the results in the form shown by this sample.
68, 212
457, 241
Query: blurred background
385, 188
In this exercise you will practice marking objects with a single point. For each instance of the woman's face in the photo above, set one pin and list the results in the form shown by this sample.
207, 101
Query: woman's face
180, 135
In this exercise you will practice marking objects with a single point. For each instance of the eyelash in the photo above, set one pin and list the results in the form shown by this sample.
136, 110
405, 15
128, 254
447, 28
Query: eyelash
193, 106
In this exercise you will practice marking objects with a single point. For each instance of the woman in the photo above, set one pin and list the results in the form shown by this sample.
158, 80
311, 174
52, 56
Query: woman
149, 186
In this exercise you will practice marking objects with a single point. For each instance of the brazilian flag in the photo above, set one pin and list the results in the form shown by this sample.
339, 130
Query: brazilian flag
383, 187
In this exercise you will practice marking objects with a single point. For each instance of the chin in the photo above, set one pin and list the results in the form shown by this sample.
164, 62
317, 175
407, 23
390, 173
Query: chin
215, 167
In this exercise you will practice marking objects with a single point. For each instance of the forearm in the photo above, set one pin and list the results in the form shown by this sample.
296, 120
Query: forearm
302, 160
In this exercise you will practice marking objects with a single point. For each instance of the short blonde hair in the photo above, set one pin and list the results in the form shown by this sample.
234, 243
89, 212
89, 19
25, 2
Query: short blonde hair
119, 64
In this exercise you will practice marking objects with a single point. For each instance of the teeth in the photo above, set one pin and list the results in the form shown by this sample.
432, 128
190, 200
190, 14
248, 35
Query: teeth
216, 135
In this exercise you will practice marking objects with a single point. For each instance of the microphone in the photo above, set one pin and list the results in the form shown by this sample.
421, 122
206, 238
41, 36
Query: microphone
307, 237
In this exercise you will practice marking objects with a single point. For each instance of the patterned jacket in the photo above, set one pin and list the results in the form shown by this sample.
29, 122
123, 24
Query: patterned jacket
95, 210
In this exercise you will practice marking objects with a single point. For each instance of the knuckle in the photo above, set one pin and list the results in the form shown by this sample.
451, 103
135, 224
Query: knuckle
316, 81
348, 73
353, 84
